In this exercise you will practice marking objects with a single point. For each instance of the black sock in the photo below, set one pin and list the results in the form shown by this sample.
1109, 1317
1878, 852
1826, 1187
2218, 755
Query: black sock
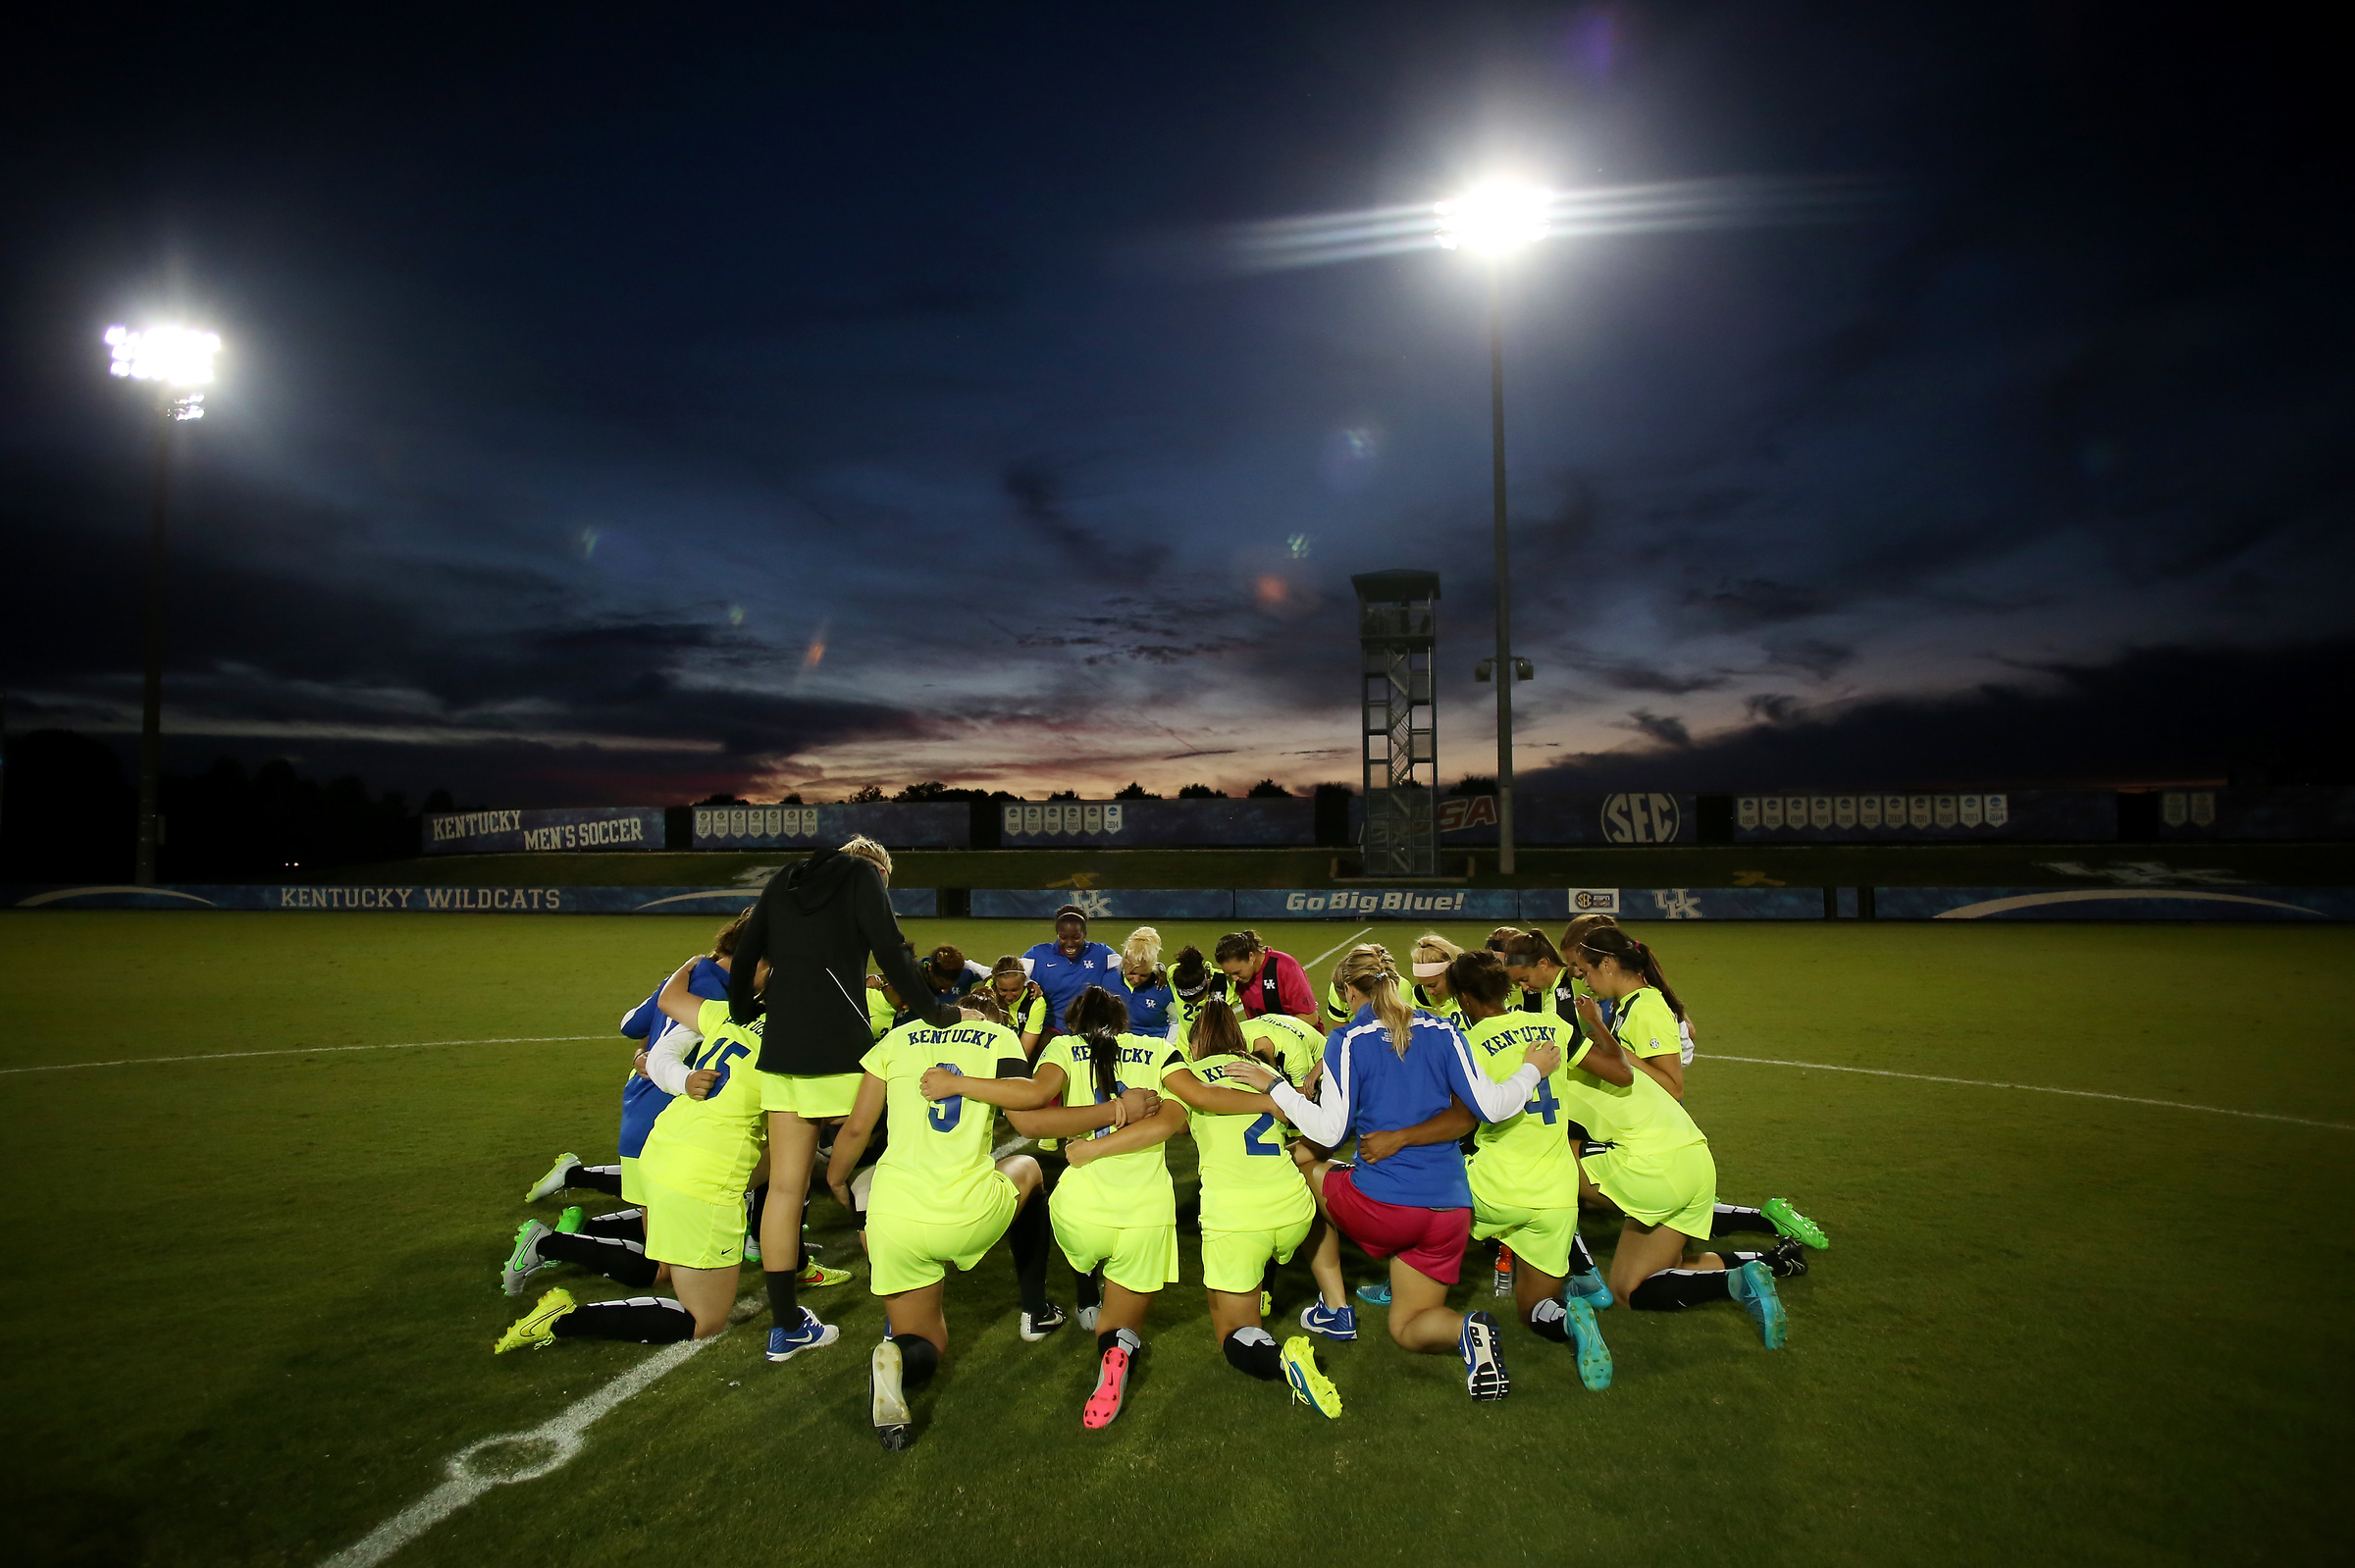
610, 1256
1086, 1291
1671, 1288
594, 1179
920, 1358
1547, 1319
1027, 1237
784, 1311
1254, 1350
1119, 1337
1581, 1260
627, 1224
1731, 1219
648, 1320
759, 1206
1735, 1259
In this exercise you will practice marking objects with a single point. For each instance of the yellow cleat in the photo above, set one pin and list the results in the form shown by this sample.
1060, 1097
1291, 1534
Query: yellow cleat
1309, 1385
815, 1275
1266, 1303
537, 1326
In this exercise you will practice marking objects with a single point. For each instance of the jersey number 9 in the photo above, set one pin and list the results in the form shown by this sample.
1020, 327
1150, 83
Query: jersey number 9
944, 1115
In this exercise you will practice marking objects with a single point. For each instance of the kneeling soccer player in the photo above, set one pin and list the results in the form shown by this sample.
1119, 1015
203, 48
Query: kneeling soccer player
935, 1198
693, 1168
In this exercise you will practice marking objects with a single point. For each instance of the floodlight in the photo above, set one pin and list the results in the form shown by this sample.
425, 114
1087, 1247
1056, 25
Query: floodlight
1493, 218
176, 357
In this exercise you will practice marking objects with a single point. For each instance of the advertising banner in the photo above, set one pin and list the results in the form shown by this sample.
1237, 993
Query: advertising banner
1630, 817
912, 903
894, 824
1549, 905
2054, 817
2311, 816
2115, 903
568, 829
1158, 824
1107, 903
1377, 903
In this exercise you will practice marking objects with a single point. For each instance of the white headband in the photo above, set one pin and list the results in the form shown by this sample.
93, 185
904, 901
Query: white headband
1430, 971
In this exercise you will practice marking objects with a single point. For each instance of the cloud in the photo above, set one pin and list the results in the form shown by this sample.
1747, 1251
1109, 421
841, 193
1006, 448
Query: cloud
1664, 728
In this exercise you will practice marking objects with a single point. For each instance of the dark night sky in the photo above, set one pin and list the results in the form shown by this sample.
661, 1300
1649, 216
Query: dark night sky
619, 411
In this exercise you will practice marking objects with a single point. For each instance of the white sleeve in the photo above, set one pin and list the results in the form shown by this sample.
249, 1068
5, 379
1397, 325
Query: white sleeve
1684, 1034
663, 1062
1326, 1121
1493, 1101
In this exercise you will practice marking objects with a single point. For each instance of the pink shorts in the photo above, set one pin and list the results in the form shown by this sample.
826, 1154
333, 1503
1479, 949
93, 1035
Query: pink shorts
1429, 1241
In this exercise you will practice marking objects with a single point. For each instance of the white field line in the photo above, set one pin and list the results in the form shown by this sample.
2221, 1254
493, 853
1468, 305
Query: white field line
1330, 951
308, 1050
561, 1433
2032, 1088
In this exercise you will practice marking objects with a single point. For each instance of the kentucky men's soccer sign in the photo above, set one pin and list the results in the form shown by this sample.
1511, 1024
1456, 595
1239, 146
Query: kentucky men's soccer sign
593, 827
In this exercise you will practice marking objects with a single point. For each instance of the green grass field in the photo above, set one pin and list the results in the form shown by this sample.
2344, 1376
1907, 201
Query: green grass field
249, 1315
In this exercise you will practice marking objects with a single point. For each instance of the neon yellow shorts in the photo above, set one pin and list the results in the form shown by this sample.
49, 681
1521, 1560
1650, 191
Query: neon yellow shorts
1235, 1261
1677, 1188
905, 1254
691, 1232
633, 1185
810, 1098
1540, 1237
1138, 1258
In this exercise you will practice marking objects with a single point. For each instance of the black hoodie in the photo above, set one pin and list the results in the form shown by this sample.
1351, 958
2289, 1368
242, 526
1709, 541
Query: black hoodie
815, 924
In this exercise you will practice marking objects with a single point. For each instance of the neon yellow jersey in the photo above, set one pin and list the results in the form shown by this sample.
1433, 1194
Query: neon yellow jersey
707, 1147
1644, 1026
1248, 1181
879, 1012
1298, 1045
937, 1162
1524, 1162
1031, 1018
1445, 1006
1125, 1189
1641, 1116
1336, 1002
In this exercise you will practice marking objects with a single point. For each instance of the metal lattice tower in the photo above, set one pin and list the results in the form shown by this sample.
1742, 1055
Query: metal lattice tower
1397, 633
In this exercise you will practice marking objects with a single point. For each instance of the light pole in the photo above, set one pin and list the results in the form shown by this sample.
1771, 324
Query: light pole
1495, 220
175, 359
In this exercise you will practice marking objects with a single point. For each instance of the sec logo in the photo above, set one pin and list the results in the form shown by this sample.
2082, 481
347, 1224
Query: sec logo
1640, 819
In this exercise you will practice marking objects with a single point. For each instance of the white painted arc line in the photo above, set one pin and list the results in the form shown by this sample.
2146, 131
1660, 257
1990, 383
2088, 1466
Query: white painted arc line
307, 1050
1330, 951
2032, 1088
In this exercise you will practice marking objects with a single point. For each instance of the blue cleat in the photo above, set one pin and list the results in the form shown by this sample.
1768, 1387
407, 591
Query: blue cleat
1586, 1339
1753, 1287
1334, 1322
1587, 1286
1484, 1360
809, 1335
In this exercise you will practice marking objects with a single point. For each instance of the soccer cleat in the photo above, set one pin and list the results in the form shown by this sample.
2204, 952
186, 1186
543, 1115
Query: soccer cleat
548, 1185
1753, 1287
807, 1334
1112, 1383
817, 1274
537, 1326
570, 1223
525, 1261
1588, 1285
1267, 1302
1586, 1338
1484, 1377
1377, 1294
1037, 1325
1087, 1318
751, 1248
1334, 1322
1789, 1222
1786, 1259
1310, 1386
889, 1399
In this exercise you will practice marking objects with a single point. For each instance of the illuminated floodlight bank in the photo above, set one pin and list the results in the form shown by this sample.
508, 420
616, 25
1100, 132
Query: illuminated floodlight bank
176, 357
1494, 218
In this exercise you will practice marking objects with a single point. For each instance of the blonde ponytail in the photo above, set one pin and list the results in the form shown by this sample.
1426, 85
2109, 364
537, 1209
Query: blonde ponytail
1371, 972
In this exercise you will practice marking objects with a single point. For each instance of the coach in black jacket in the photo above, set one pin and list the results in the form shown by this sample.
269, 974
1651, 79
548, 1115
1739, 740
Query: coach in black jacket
815, 924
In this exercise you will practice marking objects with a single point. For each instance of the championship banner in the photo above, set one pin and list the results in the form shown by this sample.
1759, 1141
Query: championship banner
1158, 824
2308, 815
568, 829
1628, 817
911, 903
894, 824
1377, 904
1104, 904
2056, 816
1553, 903
2294, 904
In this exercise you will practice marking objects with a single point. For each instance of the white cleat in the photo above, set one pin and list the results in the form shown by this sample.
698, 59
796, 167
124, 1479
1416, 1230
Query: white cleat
548, 1185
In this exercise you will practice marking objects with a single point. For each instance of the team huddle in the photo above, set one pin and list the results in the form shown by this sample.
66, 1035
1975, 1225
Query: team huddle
1486, 1094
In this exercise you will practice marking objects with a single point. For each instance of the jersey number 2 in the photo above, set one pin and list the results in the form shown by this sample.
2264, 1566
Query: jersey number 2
944, 1115
1257, 1130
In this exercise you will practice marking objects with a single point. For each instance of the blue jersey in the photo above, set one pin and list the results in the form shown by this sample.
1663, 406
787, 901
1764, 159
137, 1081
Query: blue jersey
1062, 980
1381, 1091
641, 1099
1148, 1009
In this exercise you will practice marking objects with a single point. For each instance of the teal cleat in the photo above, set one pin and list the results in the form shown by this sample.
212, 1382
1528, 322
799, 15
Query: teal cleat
1587, 1286
1789, 1222
1586, 1338
1374, 1296
1753, 1287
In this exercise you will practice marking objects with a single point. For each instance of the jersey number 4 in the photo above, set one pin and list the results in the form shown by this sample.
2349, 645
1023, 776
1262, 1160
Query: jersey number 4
1544, 1103
944, 1115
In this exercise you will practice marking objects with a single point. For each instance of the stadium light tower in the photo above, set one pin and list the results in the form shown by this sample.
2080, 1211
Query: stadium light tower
1493, 221
174, 359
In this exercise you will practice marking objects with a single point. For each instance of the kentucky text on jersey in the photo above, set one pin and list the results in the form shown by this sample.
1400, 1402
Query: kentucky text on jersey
966, 1036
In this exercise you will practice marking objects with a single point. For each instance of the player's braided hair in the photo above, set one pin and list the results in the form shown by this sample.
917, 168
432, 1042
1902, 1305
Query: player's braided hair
1098, 1018
1614, 943
1368, 970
